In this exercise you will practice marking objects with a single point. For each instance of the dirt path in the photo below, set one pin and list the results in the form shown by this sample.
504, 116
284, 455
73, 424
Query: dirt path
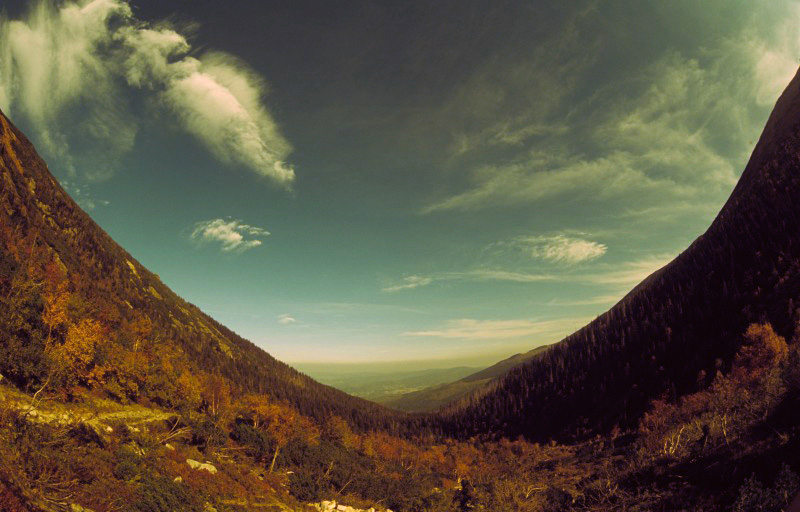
97, 413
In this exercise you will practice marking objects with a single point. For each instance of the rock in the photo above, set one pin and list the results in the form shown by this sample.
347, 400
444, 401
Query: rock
74, 507
201, 466
178, 479
109, 429
169, 447
208, 507
332, 506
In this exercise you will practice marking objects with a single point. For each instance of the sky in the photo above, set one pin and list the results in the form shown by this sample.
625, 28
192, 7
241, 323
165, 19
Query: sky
440, 183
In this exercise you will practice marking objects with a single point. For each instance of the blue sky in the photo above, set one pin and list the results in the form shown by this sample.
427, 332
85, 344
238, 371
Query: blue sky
364, 181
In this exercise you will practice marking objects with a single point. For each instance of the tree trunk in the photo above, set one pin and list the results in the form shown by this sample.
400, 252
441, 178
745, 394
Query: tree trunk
274, 457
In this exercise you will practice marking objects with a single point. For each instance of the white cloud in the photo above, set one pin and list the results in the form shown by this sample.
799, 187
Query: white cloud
561, 248
416, 281
233, 235
471, 329
286, 319
409, 283
500, 275
69, 69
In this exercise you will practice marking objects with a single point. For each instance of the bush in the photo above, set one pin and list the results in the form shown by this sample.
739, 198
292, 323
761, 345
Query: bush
556, 500
754, 497
160, 494
256, 443
304, 487
127, 466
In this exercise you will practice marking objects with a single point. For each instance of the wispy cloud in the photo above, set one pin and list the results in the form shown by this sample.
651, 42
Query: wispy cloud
561, 248
286, 319
409, 283
628, 274
471, 329
619, 277
232, 234
678, 129
500, 275
416, 281
70, 67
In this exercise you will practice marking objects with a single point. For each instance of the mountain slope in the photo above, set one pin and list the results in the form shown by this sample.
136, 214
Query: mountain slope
434, 397
84, 303
673, 332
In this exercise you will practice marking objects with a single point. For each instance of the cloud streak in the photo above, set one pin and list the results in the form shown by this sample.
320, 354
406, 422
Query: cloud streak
232, 235
70, 69
408, 283
619, 277
471, 329
417, 281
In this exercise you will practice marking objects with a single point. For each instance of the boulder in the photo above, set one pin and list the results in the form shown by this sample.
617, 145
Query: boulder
201, 466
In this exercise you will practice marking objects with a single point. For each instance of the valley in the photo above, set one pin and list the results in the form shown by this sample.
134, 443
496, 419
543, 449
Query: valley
117, 394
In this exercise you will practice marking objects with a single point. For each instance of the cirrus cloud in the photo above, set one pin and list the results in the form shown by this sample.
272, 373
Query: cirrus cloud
472, 329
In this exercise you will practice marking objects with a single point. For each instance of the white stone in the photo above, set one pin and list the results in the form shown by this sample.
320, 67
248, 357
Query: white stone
201, 466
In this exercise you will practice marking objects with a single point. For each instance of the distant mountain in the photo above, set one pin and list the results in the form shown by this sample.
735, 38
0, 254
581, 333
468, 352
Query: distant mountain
672, 333
382, 386
69, 292
434, 397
